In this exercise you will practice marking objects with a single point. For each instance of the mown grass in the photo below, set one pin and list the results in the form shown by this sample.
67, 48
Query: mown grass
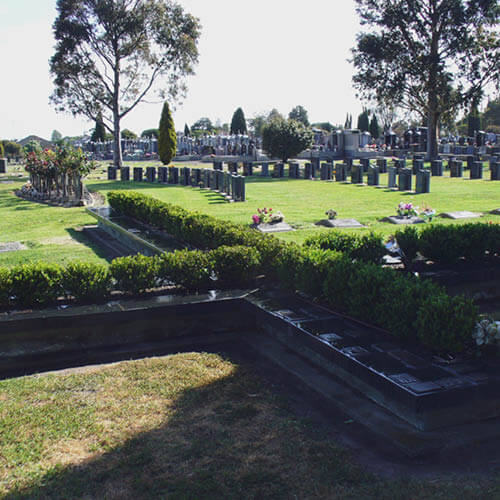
191, 425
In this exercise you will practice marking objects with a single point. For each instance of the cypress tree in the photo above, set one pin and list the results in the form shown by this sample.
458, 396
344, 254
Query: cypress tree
187, 132
1, 150
99, 134
167, 138
238, 123
374, 128
363, 121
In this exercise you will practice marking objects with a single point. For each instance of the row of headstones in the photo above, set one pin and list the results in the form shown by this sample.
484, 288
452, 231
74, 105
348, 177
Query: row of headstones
475, 168
227, 184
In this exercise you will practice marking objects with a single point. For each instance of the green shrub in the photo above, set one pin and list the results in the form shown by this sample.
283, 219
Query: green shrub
366, 248
493, 245
85, 281
474, 240
446, 323
441, 243
235, 266
35, 284
5, 287
190, 269
134, 274
286, 264
408, 241
336, 282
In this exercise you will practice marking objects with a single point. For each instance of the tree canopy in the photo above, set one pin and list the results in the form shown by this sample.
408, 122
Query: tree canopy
150, 132
299, 113
99, 133
167, 138
285, 138
203, 125
111, 54
428, 56
238, 122
363, 121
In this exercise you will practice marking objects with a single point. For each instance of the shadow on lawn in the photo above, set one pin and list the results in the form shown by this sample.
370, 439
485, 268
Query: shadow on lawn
229, 439
80, 237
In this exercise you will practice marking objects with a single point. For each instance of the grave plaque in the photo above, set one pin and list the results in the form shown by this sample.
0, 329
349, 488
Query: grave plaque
382, 165
125, 173
265, 170
437, 168
456, 169
357, 174
341, 172
476, 170
404, 181
137, 174
495, 171
112, 173
373, 176
163, 175
308, 171
150, 174
423, 181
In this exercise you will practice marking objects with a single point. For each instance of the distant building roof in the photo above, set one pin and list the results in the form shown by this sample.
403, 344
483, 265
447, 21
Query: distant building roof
43, 142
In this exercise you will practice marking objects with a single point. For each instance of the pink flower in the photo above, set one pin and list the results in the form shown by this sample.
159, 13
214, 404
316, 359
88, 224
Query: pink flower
256, 219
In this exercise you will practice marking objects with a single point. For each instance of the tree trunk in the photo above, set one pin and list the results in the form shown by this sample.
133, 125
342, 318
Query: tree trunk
432, 130
117, 149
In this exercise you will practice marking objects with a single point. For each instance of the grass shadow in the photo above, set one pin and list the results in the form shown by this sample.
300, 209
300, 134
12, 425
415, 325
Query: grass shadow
80, 237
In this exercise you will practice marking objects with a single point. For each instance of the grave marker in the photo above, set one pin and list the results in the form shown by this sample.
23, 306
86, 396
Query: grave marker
373, 176
423, 181
162, 175
404, 181
437, 168
357, 174
456, 169
137, 174
341, 172
112, 173
150, 174
125, 173
476, 170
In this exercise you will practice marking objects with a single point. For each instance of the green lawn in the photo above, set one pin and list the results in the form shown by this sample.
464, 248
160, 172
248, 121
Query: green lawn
188, 426
51, 233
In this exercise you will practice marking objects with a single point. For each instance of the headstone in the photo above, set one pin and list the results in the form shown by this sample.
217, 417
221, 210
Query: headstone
391, 177
226, 183
366, 164
423, 181
315, 167
185, 176
112, 173
213, 180
456, 169
495, 171
382, 165
265, 170
476, 170
308, 171
173, 175
125, 173
326, 171
196, 177
3, 165
247, 168
137, 174
218, 165
232, 167
357, 174
404, 181
341, 172
205, 177
233, 187
418, 164
293, 170
400, 163
219, 178
278, 170
240, 182
373, 176
437, 168
163, 175
150, 174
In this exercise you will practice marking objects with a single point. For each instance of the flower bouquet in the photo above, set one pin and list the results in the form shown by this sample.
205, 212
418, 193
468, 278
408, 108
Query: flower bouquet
407, 210
487, 332
267, 216
331, 214
427, 213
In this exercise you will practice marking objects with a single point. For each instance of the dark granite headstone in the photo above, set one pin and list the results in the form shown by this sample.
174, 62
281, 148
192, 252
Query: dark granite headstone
495, 171
382, 165
247, 168
150, 174
357, 174
3, 165
326, 171
418, 164
217, 165
125, 173
213, 180
341, 172
185, 176
278, 170
264, 172
391, 177
293, 170
404, 181
205, 177
456, 169
112, 173
315, 167
423, 181
196, 177
373, 176
365, 162
437, 168
476, 170
400, 163
137, 174
173, 175
232, 167
162, 175
308, 171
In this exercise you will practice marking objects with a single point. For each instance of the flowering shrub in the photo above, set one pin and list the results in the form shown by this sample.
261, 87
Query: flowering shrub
267, 216
487, 332
331, 213
407, 210
48, 163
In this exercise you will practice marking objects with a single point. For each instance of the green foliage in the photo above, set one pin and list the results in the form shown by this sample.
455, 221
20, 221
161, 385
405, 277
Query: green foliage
408, 241
150, 132
85, 281
285, 138
128, 134
441, 243
299, 113
134, 274
235, 265
187, 132
202, 125
99, 133
491, 115
324, 126
473, 123
189, 269
167, 138
366, 248
12, 148
374, 127
56, 136
5, 287
35, 284
364, 121
238, 122
2, 151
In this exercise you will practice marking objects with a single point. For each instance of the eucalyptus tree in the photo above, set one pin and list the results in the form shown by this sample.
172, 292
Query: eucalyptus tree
428, 56
112, 54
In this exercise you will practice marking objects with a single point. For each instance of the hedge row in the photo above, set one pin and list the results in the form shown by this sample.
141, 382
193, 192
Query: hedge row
40, 283
449, 243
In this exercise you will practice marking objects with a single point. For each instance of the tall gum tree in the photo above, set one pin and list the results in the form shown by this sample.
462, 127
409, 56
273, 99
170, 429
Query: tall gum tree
111, 54
428, 56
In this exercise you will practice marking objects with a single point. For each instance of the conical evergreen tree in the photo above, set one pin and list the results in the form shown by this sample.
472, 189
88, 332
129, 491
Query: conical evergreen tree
238, 123
187, 132
374, 128
99, 134
167, 138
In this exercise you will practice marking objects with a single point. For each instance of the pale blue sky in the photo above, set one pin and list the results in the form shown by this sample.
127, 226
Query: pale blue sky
257, 54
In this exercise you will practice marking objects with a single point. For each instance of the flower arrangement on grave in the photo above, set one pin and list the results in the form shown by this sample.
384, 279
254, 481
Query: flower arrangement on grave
407, 210
427, 213
487, 332
267, 216
331, 214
